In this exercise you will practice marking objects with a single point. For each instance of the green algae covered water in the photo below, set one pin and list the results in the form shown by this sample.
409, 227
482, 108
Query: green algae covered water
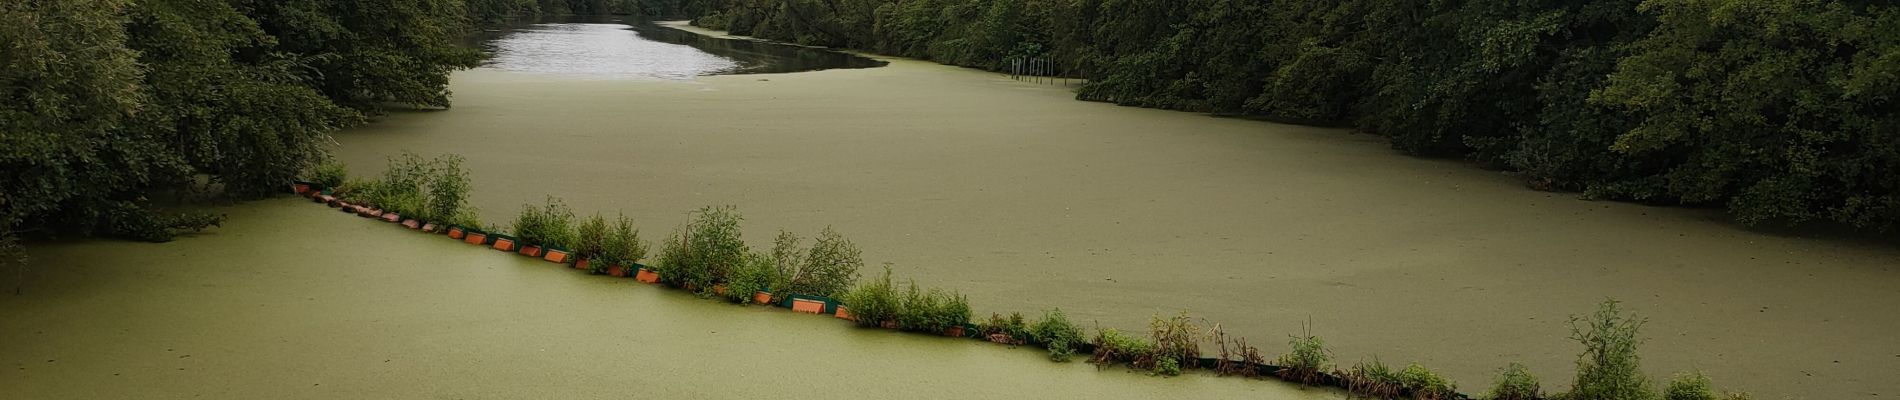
292, 300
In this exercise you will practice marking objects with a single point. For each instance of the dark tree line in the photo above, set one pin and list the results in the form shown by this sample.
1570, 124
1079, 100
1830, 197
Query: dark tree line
1780, 111
110, 104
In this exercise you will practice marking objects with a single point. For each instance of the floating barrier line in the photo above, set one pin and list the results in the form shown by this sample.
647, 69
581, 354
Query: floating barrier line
799, 303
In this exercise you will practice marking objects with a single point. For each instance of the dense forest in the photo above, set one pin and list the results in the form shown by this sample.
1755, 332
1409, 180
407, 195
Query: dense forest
1780, 111
112, 105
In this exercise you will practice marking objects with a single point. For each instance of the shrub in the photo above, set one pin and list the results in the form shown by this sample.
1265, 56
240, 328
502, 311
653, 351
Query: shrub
1177, 339
1013, 330
551, 225
673, 258
713, 248
1691, 386
1249, 362
1516, 383
953, 310
1609, 367
1056, 333
1373, 380
1167, 366
409, 204
788, 257
1112, 346
1427, 385
329, 174
830, 267
754, 275
918, 310
875, 301
557, 229
590, 240
623, 245
358, 191
1308, 361
448, 189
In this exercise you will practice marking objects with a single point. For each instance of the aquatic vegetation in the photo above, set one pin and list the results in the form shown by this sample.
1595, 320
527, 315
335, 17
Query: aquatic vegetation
754, 275
1237, 357
623, 246
1013, 330
590, 240
874, 301
1690, 386
1373, 380
713, 249
1177, 341
1113, 347
550, 225
1427, 385
1057, 334
1308, 362
829, 268
448, 192
329, 174
1515, 383
1609, 367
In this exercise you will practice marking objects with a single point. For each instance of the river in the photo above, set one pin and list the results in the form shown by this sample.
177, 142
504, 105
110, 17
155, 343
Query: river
1023, 199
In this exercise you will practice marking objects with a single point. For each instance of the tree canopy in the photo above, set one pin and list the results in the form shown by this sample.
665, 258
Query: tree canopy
110, 103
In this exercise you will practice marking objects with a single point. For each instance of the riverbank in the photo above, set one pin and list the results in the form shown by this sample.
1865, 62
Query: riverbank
291, 300
1024, 198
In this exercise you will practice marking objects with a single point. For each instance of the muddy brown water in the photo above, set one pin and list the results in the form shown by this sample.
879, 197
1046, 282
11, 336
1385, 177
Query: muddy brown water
292, 300
1025, 199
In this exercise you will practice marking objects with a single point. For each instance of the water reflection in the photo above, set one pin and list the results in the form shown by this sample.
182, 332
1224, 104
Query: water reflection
615, 49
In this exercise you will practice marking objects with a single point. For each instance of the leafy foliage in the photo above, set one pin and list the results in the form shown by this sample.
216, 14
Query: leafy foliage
108, 102
1778, 113
551, 224
1427, 385
1516, 383
1609, 367
1308, 360
874, 301
623, 246
590, 240
1056, 333
1693, 386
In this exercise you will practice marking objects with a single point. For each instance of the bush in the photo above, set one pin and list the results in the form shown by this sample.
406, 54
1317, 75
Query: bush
329, 174
1609, 367
918, 310
875, 301
1427, 385
623, 246
1013, 330
1113, 346
1692, 386
754, 275
1167, 366
590, 240
788, 257
712, 249
1177, 339
551, 225
1308, 361
1249, 362
1056, 333
830, 267
1516, 383
1373, 380
673, 258
448, 190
